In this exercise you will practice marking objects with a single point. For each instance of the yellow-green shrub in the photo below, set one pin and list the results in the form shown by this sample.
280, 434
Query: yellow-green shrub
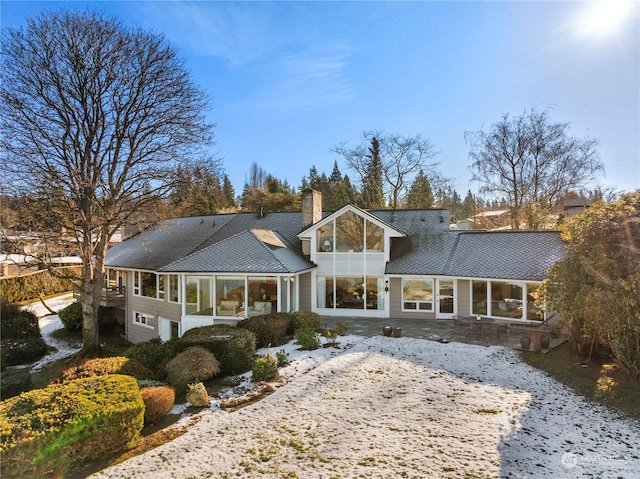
158, 401
45, 431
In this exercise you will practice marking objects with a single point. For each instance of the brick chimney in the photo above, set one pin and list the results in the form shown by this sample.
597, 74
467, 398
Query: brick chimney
311, 207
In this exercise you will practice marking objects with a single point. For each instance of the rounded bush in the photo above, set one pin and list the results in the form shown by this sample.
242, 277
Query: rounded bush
158, 401
22, 351
308, 340
71, 316
154, 354
16, 323
192, 365
265, 368
304, 321
233, 347
270, 329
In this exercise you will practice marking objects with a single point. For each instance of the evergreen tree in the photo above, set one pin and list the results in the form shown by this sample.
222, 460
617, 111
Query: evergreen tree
228, 191
372, 194
420, 195
468, 205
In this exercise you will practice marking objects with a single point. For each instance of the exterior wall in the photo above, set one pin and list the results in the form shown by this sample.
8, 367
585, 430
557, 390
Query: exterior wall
464, 297
304, 300
137, 333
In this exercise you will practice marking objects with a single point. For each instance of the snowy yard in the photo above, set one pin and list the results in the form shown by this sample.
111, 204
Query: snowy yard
386, 407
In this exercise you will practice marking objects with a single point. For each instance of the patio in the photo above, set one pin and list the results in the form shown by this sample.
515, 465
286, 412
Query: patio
438, 330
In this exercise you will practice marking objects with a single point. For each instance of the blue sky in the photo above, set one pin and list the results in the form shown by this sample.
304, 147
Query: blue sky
290, 80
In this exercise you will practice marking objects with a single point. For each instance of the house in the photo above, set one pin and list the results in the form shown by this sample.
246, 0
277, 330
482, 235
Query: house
189, 272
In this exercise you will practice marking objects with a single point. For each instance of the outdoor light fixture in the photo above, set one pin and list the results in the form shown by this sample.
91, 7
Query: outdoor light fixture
386, 286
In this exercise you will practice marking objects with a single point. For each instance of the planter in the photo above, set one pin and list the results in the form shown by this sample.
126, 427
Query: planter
387, 330
525, 342
396, 332
544, 341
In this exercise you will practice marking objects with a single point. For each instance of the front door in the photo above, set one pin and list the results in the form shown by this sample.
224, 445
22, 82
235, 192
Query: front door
446, 298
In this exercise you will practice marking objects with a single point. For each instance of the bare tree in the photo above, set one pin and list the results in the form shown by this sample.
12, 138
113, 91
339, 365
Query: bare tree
95, 117
533, 162
402, 157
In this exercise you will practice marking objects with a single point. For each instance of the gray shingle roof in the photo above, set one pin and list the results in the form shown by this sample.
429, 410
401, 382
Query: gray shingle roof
230, 243
242, 253
505, 255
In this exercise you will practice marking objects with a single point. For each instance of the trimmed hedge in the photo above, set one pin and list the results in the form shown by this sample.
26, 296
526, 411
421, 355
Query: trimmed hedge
304, 321
104, 366
22, 288
46, 431
270, 329
233, 347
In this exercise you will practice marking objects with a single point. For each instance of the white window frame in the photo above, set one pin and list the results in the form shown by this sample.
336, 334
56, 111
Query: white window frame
144, 320
137, 285
419, 302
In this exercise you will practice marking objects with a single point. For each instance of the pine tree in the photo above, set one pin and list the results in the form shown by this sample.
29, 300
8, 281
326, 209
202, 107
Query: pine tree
228, 191
420, 195
372, 194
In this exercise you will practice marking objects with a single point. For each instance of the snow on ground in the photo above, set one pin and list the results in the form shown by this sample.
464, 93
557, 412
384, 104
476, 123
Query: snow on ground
386, 407
48, 324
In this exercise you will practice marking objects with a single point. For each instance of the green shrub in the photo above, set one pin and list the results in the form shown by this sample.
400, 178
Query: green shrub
158, 401
16, 323
308, 340
270, 329
154, 354
283, 358
192, 365
22, 351
45, 431
265, 368
103, 366
304, 321
71, 316
233, 347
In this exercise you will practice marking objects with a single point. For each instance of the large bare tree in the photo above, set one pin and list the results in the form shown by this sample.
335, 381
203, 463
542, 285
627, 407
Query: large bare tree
402, 157
95, 118
533, 162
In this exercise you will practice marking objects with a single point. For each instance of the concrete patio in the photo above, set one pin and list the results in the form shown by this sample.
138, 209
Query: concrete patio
434, 330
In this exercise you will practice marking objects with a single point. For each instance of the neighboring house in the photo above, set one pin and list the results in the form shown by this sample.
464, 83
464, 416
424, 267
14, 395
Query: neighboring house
189, 272
575, 206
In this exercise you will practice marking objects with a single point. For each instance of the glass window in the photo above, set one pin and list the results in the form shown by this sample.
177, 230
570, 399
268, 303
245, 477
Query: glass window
230, 294
350, 292
349, 233
534, 308
174, 288
375, 237
161, 278
142, 319
198, 291
506, 299
325, 292
262, 296
479, 297
136, 282
375, 292
325, 238
417, 294
148, 284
